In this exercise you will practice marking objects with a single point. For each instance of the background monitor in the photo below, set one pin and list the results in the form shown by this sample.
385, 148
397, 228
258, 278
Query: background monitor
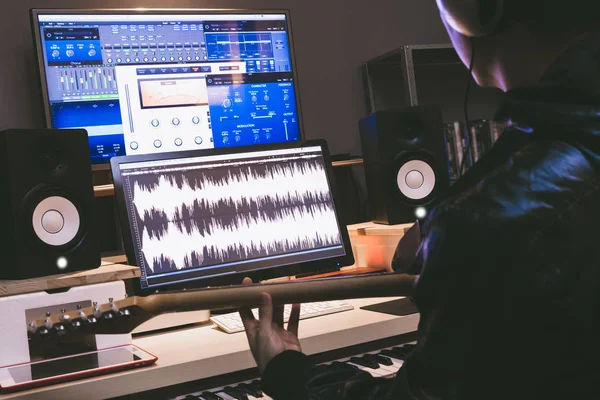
153, 81
219, 215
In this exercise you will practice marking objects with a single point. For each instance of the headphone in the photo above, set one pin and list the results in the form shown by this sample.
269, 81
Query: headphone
473, 18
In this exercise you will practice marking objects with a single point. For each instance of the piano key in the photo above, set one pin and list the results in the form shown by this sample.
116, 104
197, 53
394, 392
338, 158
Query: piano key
224, 396
365, 363
373, 372
341, 365
398, 354
235, 393
396, 363
255, 384
391, 368
209, 396
387, 370
249, 390
378, 359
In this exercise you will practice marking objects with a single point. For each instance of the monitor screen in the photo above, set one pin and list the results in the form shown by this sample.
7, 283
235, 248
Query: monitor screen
157, 81
207, 216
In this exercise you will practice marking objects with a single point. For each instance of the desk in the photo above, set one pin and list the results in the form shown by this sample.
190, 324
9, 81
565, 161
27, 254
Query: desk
202, 352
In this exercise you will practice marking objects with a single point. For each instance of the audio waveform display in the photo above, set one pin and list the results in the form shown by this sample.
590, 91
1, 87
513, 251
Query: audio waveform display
223, 190
233, 238
209, 214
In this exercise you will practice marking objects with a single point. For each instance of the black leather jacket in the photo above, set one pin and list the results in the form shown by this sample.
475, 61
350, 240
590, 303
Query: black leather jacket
509, 293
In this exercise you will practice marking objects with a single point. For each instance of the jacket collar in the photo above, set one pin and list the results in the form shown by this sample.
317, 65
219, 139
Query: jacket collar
567, 98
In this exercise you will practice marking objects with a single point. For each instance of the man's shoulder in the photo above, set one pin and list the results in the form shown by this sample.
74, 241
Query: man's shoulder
540, 180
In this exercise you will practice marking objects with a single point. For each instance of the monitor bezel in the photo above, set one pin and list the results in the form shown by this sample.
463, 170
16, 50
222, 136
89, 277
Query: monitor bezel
41, 70
318, 266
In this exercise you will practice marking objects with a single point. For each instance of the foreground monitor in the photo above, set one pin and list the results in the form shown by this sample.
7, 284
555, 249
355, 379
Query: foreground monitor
216, 216
153, 81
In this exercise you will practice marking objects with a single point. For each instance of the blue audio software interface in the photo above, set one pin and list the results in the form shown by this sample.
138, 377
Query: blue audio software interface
143, 83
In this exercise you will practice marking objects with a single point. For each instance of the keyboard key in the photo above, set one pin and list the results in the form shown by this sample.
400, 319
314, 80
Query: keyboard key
365, 363
232, 323
235, 393
396, 363
224, 396
395, 352
248, 389
343, 366
210, 396
256, 386
378, 359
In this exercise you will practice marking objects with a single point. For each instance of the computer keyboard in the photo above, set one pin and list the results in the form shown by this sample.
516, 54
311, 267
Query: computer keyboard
232, 323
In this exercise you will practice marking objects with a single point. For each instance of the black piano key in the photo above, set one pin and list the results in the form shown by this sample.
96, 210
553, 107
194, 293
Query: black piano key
364, 363
210, 396
342, 366
244, 387
235, 393
394, 354
256, 386
378, 359
401, 352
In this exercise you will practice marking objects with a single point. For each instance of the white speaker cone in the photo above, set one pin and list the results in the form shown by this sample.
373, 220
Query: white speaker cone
56, 221
416, 179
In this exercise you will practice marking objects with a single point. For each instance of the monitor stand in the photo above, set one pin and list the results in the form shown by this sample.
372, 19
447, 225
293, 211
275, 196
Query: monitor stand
400, 307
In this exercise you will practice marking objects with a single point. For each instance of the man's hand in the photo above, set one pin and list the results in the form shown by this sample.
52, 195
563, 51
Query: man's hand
266, 336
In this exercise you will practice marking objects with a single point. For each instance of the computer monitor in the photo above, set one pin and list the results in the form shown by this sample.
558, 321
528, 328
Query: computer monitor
152, 81
212, 217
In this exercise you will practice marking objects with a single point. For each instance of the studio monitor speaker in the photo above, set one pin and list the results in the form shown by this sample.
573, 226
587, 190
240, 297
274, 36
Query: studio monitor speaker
46, 203
405, 163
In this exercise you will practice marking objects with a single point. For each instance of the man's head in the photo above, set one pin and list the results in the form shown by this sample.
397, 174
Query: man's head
515, 40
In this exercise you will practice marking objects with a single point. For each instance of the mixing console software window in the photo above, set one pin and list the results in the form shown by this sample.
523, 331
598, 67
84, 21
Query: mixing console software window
154, 83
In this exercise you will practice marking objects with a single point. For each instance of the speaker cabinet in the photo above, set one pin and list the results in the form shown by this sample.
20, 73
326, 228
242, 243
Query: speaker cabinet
405, 163
46, 203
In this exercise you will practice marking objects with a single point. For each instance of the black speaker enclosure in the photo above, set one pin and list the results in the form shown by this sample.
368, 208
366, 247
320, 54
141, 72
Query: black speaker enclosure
37, 165
392, 138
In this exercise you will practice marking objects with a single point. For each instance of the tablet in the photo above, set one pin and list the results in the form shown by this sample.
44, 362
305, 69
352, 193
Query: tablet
68, 368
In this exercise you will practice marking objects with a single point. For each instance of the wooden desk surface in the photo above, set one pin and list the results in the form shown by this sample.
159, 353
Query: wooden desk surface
202, 352
108, 272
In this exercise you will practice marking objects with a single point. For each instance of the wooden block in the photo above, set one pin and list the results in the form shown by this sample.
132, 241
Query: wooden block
373, 229
108, 272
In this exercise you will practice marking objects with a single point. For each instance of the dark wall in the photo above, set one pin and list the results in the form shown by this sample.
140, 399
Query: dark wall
332, 39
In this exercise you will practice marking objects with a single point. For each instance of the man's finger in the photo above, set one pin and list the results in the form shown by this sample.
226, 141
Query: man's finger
248, 320
294, 320
265, 312
247, 317
278, 315
247, 281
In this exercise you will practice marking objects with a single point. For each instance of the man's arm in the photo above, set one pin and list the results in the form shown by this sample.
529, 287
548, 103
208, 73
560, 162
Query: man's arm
437, 367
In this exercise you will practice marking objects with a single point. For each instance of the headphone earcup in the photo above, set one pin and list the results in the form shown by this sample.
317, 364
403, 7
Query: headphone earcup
473, 18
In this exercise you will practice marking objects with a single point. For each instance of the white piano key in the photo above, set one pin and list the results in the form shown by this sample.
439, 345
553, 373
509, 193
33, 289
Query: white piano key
224, 396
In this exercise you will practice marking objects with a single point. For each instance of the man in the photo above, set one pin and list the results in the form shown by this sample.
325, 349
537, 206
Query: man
509, 262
